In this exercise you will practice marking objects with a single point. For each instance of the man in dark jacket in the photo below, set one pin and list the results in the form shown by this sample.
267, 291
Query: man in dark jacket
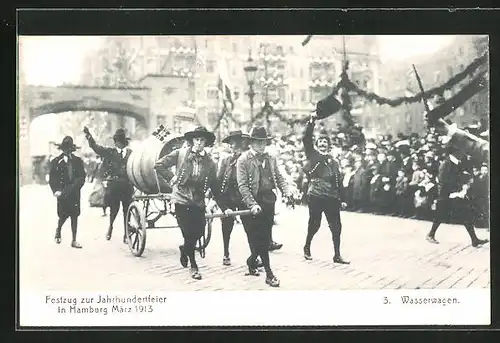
453, 197
195, 174
120, 190
324, 191
258, 176
66, 179
229, 196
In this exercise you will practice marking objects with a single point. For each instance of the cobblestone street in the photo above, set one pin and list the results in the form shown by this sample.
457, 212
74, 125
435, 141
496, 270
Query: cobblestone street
385, 252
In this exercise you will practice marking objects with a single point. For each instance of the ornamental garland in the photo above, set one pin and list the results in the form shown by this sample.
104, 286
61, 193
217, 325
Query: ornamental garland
346, 84
416, 98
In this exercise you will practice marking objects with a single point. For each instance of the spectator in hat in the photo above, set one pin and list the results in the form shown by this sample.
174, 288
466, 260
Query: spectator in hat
403, 198
480, 194
376, 190
66, 179
195, 175
119, 187
361, 186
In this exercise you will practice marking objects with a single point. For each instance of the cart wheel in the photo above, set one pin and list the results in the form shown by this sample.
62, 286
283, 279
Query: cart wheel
136, 229
202, 243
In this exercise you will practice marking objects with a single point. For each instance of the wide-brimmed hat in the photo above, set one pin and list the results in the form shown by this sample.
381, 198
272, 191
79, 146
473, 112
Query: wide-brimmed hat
234, 135
121, 136
67, 144
201, 131
259, 133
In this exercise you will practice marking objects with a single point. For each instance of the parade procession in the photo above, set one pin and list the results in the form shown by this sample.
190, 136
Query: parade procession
237, 197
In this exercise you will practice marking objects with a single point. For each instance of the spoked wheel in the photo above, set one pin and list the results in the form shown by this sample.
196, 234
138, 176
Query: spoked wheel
136, 229
202, 243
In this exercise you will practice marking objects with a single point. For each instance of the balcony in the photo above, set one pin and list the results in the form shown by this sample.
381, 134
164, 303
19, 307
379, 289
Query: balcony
321, 82
182, 50
184, 72
321, 61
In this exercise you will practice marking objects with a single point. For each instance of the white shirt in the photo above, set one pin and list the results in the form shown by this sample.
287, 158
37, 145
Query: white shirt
122, 152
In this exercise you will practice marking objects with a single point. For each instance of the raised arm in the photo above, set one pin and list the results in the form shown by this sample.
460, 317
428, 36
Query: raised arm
104, 152
307, 139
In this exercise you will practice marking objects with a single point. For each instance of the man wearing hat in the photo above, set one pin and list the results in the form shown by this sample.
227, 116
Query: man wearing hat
195, 174
453, 195
119, 188
258, 175
229, 195
325, 192
66, 179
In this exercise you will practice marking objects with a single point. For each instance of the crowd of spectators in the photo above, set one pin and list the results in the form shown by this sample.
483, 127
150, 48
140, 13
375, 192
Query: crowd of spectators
386, 175
397, 176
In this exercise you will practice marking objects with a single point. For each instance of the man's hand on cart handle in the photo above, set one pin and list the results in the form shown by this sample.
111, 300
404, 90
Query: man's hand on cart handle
256, 209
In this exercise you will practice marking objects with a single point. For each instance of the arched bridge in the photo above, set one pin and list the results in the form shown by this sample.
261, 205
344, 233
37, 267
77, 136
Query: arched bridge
133, 102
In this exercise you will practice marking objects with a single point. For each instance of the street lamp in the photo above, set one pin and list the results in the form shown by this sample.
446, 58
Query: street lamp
250, 73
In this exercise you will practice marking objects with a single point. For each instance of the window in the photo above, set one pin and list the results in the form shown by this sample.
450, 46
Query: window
177, 127
303, 95
210, 66
292, 97
161, 120
212, 93
282, 94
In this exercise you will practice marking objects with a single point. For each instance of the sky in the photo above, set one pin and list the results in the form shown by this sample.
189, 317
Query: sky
53, 60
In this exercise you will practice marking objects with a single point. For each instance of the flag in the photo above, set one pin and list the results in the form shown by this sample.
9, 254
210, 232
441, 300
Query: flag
224, 85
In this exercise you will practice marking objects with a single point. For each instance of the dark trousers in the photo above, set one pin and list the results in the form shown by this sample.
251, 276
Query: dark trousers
74, 225
118, 192
228, 225
458, 208
331, 208
258, 230
191, 221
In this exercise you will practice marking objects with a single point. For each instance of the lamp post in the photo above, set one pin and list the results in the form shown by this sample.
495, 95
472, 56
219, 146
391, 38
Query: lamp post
250, 73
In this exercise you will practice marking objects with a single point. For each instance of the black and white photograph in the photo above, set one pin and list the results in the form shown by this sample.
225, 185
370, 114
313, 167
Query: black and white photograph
165, 178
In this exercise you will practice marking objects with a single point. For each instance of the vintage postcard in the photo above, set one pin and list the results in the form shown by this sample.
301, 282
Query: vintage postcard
231, 180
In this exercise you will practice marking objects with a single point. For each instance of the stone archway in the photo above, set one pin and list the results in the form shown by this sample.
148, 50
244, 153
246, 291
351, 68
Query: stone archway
35, 101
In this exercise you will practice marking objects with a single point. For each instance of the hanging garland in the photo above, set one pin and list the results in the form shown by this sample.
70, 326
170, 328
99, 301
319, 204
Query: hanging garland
346, 84
471, 69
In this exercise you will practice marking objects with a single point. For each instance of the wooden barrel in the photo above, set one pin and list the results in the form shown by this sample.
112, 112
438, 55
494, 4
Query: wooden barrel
140, 165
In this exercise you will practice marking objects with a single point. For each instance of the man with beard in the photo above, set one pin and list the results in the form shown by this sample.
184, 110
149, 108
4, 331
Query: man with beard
229, 197
195, 174
66, 179
119, 188
324, 191
453, 196
258, 175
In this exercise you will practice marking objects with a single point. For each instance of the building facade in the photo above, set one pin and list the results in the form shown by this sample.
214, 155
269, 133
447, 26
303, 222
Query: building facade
434, 70
292, 78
